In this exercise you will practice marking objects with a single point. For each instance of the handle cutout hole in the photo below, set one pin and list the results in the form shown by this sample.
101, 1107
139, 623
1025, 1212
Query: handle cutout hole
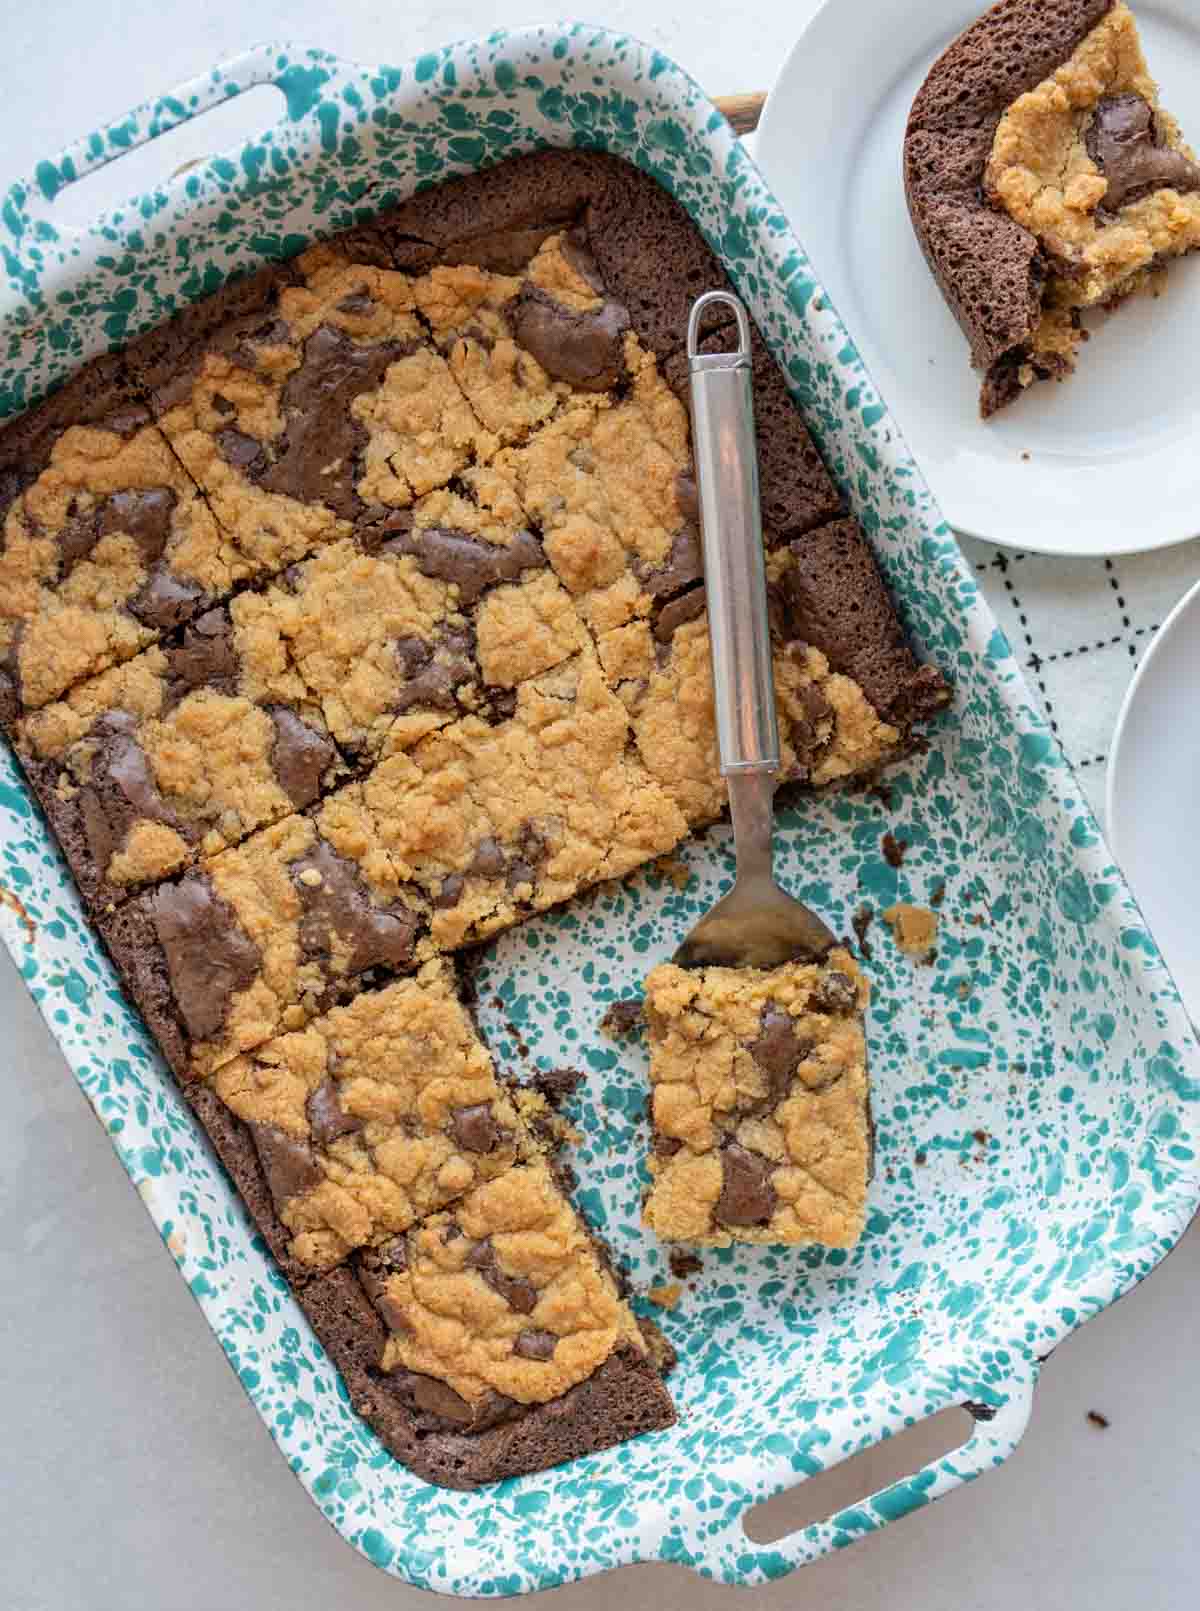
857, 1478
132, 172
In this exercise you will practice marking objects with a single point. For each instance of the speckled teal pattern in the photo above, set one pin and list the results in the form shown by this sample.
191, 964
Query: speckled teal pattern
1037, 1091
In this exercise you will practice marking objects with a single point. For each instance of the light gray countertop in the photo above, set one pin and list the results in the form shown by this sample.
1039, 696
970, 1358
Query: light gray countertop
135, 1474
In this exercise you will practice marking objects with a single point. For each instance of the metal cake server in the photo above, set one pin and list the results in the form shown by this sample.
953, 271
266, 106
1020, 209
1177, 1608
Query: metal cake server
757, 924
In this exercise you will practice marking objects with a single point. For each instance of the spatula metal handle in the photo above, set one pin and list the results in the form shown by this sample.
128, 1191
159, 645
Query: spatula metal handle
731, 526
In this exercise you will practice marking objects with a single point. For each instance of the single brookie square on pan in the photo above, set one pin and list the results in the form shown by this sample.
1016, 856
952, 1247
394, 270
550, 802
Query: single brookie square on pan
760, 1103
494, 1338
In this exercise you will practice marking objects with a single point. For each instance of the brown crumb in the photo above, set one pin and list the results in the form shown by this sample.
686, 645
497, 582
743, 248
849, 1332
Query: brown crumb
1026, 456
893, 850
860, 923
921, 1158
938, 894
914, 928
498, 1003
622, 1018
964, 989
672, 869
684, 1264
666, 1296
1097, 1418
15, 903
980, 1137
557, 1084
882, 792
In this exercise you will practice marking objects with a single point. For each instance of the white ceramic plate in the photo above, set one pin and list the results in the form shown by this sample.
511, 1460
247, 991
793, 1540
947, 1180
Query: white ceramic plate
1108, 462
1153, 787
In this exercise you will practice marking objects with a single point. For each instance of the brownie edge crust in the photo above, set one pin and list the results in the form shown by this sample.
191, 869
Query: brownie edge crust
990, 270
623, 1398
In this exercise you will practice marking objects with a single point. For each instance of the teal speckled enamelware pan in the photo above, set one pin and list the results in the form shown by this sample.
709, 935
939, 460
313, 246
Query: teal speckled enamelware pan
1037, 1090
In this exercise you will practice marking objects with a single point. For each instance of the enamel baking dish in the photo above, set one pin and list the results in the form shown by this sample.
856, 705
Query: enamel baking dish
1037, 1090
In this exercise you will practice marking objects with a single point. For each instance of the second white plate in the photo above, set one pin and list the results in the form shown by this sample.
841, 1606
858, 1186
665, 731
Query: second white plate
1108, 462
1153, 786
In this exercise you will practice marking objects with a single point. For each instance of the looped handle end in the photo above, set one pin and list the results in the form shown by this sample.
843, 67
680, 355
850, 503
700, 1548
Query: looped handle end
724, 360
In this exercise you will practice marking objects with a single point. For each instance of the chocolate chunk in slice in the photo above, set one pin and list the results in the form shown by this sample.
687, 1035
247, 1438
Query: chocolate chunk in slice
165, 601
535, 1344
317, 459
518, 1293
209, 955
245, 453
488, 861
288, 1163
747, 1195
470, 563
205, 657
300, 756
144, 515
121, 789
1125, 142
475, 1128
583, 348
688, 607
336, 901
327, 1118
835, 993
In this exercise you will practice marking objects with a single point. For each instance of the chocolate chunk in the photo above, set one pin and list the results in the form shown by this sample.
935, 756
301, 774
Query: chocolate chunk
778, 1051
440, 1399
687, 496
835, 993
120, 790
475, 1128
488, 860
673, 615
501, 704
327, 1118
535, 1344
778, 1048
684, 565
584, 348
10, 677
209, 955
470, 563
205, 657
245, 453
861, 924
666, 1146
520, 873
144, 515
299, 756
531, 851
375, 1265
1125, 142
126, 421
450, 893
288, 1163
164, 600
316, 460
244, 337
360, 301
223, 406
747, 1195
811, 729
518, 1293
79, 535
391, 1312
430, 678
340, 903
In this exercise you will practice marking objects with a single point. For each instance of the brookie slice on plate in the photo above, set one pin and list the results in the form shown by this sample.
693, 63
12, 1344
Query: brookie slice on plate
1044, 178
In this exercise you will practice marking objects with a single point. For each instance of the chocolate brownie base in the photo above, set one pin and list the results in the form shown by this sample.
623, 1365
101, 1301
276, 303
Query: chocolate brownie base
796, 490
622, 1399
826, 591
234, 1146
991, 271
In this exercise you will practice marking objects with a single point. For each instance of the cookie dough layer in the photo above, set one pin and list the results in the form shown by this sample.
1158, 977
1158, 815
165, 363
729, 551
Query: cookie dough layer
1043, 177
622, 1399
372, 1116
105, 543
259, 939
492, 822
760, 1104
